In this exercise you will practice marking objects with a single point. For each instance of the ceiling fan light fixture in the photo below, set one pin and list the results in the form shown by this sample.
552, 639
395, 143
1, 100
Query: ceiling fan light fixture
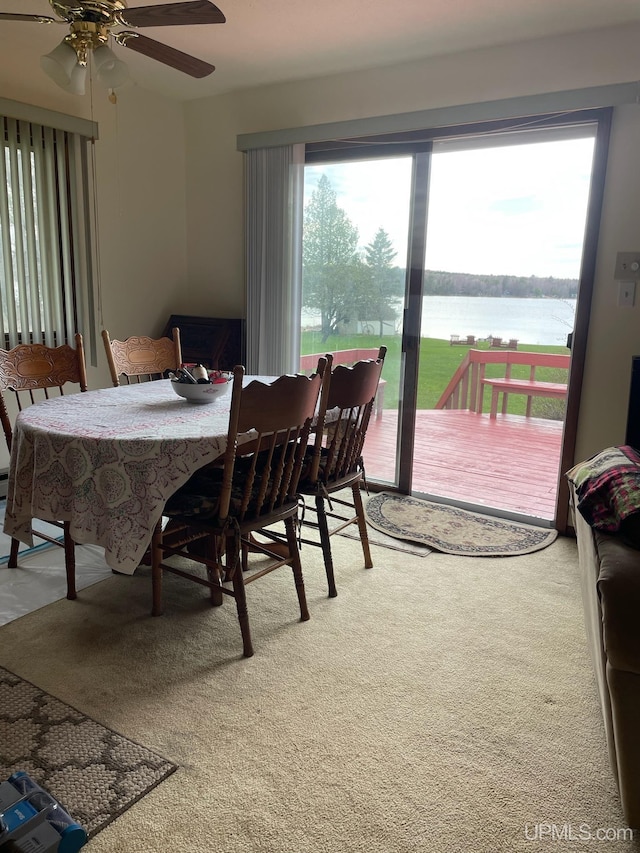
92, 25
61, 65
110, 71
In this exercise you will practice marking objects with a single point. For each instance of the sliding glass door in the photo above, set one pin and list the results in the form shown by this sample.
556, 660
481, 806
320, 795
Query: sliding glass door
356, 232
506, 224
455, 253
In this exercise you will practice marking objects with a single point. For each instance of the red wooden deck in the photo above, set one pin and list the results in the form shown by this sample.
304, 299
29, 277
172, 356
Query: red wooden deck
508, 463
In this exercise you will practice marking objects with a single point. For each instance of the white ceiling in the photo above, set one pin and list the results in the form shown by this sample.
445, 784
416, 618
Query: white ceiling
270, 41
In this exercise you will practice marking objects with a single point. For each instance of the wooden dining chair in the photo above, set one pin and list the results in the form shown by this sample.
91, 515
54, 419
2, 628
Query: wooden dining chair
334, 461
257, 485
29, 373
140, 358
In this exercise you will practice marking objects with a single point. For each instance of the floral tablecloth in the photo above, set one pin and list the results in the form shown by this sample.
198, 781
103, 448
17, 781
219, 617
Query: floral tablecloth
107, 461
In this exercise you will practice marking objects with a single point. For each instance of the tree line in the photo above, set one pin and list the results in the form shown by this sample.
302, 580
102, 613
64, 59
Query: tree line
440, 283
344, 283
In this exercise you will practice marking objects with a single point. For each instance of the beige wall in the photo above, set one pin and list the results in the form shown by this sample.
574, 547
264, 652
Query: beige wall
140, 160
214, 174
614, 332
141, 203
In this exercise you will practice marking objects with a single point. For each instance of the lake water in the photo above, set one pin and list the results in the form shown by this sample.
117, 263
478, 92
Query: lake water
532, 321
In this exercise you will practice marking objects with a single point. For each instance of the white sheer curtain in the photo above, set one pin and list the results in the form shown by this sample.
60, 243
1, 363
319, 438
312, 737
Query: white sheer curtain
273, 247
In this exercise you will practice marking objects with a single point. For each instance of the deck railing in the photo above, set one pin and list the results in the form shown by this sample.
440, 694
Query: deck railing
348, 357
466, 387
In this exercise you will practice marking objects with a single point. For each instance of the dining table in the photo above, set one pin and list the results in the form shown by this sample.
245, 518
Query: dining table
108, 460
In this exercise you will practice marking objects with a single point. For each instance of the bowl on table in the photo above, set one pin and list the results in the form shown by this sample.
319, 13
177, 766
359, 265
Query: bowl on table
205, 393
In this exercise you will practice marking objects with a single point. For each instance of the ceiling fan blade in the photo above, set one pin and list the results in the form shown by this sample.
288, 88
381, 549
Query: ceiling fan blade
173, 15
163, 53
41, 19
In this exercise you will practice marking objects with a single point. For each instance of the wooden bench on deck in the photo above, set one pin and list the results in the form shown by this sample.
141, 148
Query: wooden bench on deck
348, 357
465, 389
531, 387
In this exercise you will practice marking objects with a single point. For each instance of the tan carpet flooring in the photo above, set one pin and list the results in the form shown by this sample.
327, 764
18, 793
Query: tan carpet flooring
438, 704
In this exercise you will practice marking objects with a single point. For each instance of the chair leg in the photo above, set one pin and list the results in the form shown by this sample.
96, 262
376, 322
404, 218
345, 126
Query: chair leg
213, 552
325, 541
296, 566
362, 525
13, 554
156, 570
70, 562
240, 595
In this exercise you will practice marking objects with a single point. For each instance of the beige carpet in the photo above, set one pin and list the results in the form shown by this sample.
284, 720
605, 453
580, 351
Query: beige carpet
443, 705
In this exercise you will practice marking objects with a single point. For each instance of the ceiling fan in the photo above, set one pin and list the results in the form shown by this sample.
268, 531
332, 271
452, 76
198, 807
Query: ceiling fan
91, 24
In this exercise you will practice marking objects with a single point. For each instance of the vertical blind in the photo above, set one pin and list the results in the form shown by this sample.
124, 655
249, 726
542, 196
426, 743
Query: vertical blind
45, 258
273, 240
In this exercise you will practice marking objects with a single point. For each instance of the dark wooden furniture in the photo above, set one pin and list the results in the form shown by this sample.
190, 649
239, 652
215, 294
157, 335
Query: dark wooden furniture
216, 342
29, 373
256, 487
140, 358
348, 357
334, 463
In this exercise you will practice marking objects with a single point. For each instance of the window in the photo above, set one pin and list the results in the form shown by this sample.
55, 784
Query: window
46, 294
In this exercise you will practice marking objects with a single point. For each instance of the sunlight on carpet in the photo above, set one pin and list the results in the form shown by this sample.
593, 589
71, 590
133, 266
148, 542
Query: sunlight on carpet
40, 577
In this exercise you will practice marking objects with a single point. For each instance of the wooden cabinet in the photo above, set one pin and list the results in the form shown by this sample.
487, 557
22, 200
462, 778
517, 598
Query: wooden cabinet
216, 342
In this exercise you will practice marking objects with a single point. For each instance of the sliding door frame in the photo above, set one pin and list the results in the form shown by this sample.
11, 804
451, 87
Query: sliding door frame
583, 312
412, 318
419, 143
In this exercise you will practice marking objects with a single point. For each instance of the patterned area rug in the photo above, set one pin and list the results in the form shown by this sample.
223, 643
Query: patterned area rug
453, 530
93, 772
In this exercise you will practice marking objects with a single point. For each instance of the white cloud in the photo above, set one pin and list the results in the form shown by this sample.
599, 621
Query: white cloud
516, 210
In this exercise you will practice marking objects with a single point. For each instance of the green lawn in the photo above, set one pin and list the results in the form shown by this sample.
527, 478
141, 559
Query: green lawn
438, 362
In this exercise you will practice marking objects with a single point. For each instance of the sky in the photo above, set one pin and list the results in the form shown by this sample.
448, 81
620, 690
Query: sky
509, 210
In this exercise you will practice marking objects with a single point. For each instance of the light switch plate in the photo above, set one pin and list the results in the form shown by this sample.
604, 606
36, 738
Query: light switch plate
626, 294
627, 266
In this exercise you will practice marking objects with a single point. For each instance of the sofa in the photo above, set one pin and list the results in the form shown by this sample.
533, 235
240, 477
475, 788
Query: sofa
609, 561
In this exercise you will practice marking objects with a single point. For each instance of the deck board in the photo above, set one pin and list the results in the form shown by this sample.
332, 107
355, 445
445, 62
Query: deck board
509, 463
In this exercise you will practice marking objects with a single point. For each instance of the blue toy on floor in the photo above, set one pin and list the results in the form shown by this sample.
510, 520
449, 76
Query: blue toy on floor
32, 821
